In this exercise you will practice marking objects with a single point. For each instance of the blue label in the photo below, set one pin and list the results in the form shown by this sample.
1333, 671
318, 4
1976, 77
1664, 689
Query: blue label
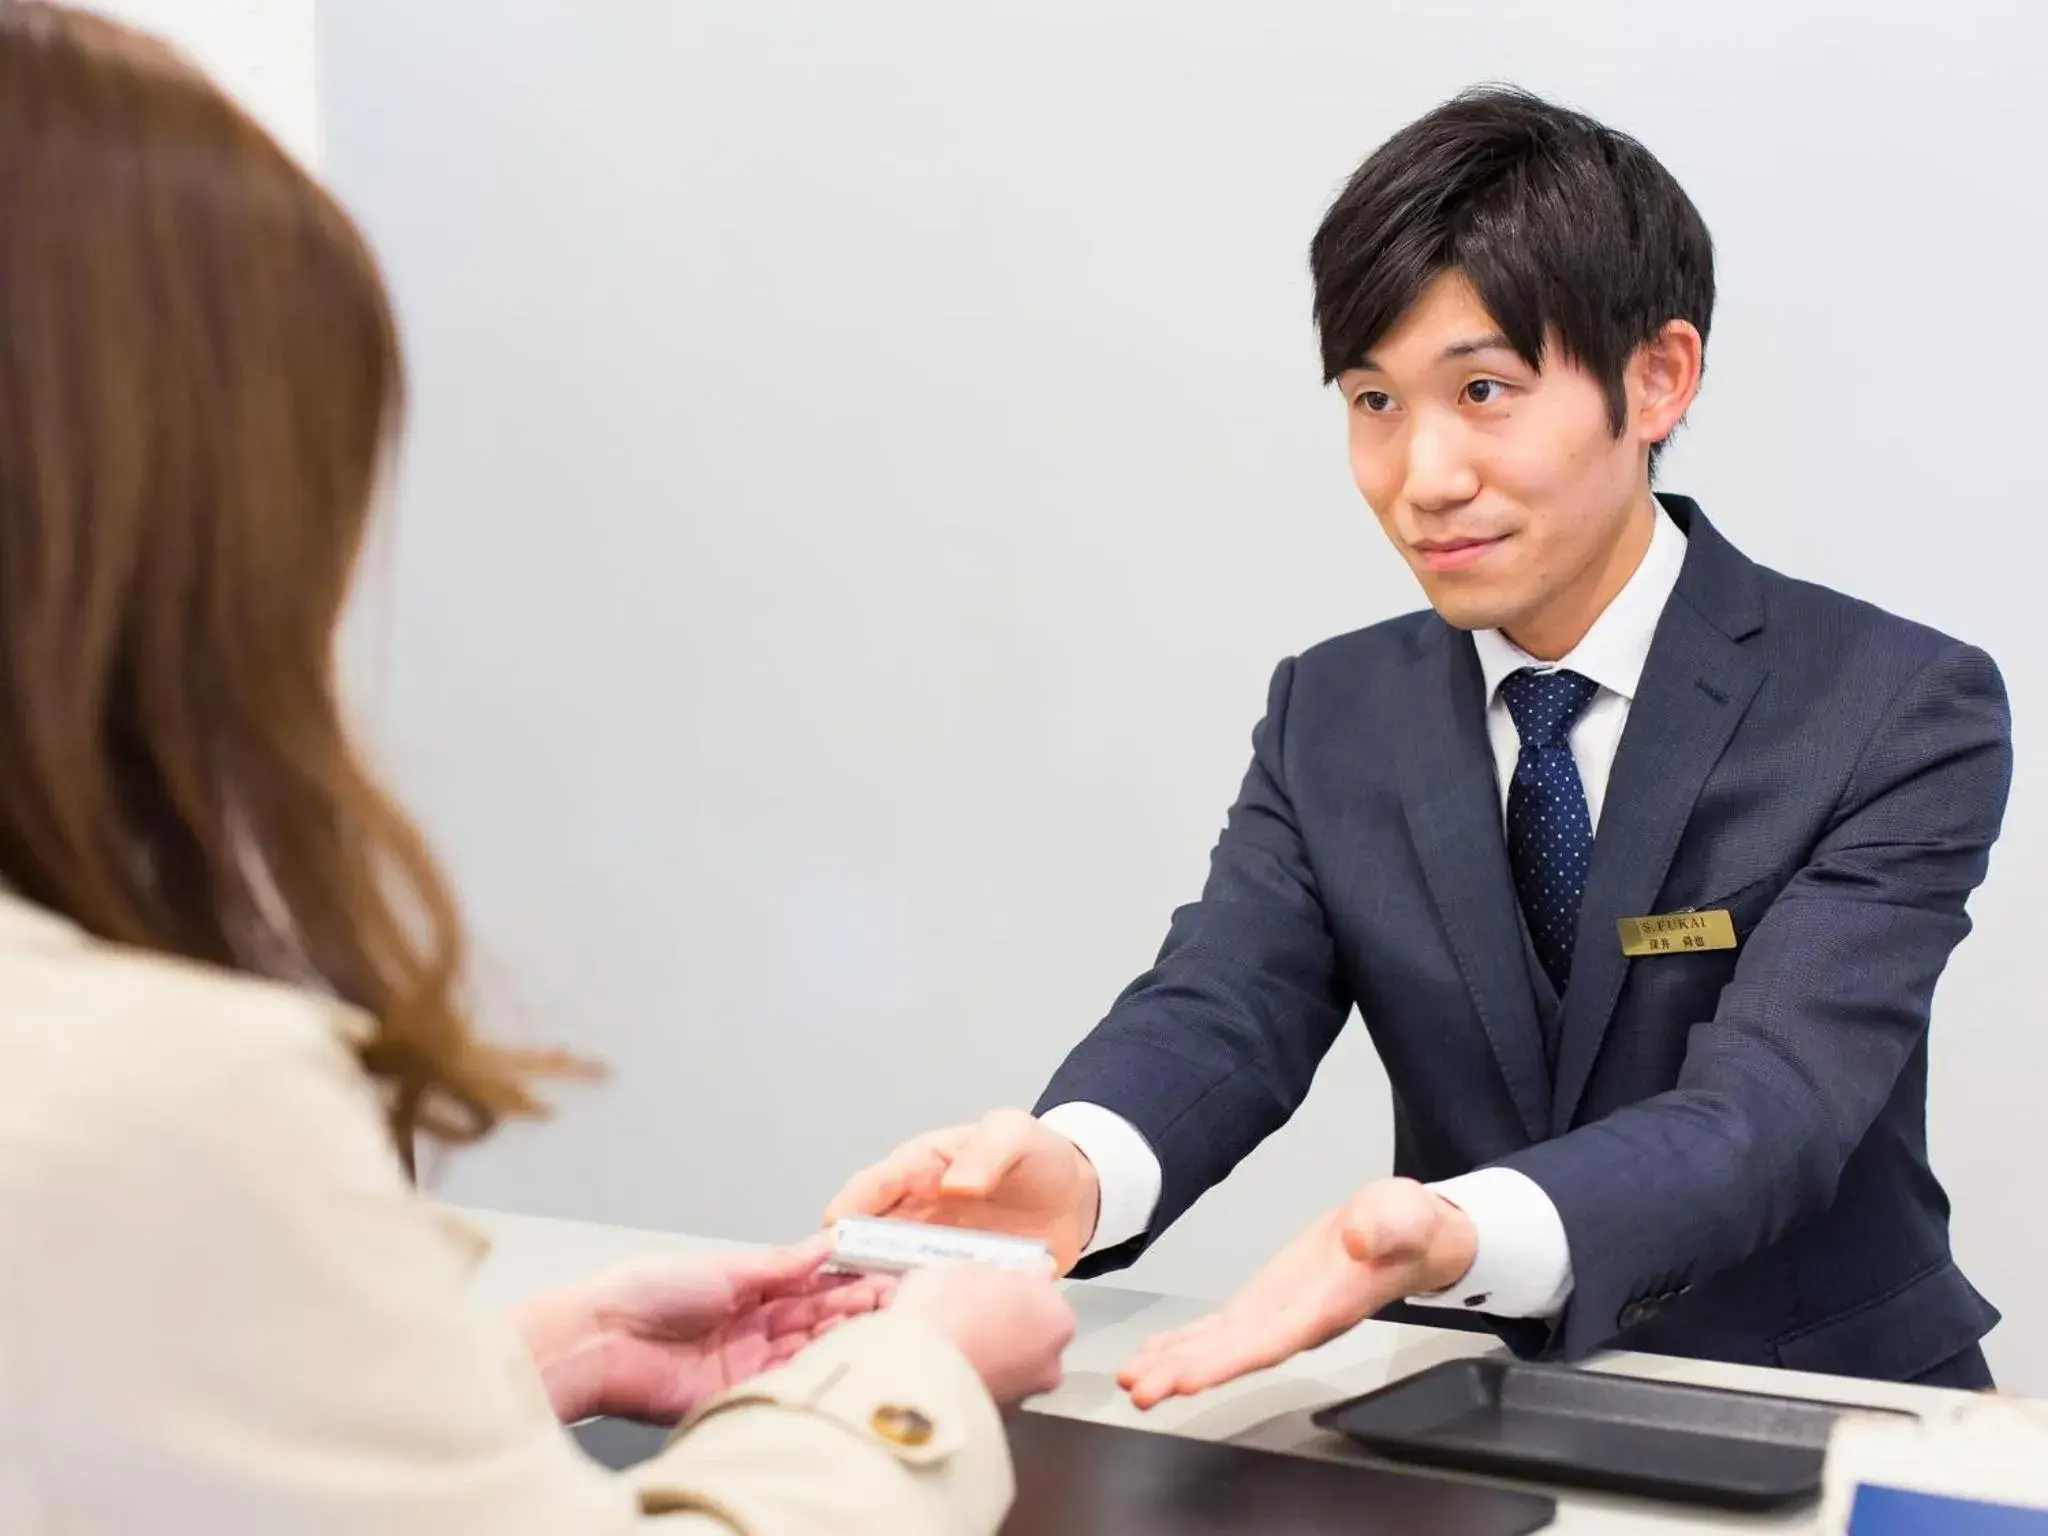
1896, 1512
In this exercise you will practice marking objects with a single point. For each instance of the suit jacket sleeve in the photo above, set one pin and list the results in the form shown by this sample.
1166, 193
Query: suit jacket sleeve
238, 1316
1827, 1003
1213, 1049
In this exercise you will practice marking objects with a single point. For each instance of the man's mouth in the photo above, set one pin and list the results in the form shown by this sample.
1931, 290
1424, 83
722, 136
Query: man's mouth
1456, 554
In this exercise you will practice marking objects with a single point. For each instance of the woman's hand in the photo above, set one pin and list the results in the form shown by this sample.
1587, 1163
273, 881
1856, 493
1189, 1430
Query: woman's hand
655, 1338
1012, 1328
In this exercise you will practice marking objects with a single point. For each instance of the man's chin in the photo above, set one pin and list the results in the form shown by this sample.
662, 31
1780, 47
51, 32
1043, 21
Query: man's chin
1467, 611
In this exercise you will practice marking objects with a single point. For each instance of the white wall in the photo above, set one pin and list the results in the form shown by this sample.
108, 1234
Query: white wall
868, 459
261, 51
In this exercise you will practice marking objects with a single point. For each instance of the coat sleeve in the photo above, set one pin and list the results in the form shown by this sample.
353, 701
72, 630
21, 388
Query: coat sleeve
811, 1447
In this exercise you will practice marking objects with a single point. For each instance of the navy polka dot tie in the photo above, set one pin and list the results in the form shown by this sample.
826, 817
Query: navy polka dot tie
1550, 833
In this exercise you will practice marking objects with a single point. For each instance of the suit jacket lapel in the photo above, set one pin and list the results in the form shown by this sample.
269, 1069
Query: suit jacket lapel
1452, 800
1695, 687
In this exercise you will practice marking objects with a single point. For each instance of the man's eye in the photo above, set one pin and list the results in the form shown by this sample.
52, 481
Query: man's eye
1485, 391
1375, 401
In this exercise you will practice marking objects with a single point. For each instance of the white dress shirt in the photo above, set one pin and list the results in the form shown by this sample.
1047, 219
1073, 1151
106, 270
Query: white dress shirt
1523, 1263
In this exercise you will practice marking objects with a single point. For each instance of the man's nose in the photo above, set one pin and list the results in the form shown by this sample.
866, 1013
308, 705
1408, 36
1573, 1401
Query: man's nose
1439, 472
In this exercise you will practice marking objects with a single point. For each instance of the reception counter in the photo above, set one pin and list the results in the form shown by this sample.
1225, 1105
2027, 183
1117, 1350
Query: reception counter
1269, 1410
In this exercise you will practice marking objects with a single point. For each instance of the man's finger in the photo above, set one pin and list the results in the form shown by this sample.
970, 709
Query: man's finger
1163, 1345
1225, 1357
1142, 1359
947, 1143
1209, 1362
1160, 1342
987, 1156
1208, 1357
1156, 1385
877, 1190
1208, 1322
873, 1191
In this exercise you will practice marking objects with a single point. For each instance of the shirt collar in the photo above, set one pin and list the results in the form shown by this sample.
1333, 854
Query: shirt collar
1614, 650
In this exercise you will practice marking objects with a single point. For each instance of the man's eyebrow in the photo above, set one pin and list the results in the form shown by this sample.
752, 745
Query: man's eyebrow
1492, 342
1471, 346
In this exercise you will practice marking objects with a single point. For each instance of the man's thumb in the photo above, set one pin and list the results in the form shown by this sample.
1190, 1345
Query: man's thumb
974, 1171
1388, 1222
988, 1156
978, 1169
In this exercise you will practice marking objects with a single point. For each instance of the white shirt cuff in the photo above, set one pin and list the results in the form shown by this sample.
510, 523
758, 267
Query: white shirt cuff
1523, 1264
1126, 1169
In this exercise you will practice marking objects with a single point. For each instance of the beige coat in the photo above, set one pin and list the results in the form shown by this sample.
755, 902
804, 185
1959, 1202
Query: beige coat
223, 1310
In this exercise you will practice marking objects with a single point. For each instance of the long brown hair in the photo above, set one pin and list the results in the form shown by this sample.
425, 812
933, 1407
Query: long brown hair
199, 380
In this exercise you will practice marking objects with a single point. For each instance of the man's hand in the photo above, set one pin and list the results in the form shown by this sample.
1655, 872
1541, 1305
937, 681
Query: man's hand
1392, 1239
1007, 1173
652, 1340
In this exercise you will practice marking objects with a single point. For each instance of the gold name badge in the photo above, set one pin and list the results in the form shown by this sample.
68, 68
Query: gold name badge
1677, 933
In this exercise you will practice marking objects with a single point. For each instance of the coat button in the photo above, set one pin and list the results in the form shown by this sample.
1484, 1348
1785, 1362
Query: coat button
901, 1426
1631, 1314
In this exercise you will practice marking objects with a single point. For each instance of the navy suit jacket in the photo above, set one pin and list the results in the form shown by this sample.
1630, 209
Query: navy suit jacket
1735, 1140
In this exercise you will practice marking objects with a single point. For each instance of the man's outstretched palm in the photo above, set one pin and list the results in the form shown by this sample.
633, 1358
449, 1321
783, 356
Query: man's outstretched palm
1393, 1238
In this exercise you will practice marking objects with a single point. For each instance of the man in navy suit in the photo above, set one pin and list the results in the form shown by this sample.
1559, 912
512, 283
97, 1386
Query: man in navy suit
1639, 861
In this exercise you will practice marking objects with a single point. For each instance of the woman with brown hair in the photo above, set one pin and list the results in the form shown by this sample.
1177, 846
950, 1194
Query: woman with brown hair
231, 976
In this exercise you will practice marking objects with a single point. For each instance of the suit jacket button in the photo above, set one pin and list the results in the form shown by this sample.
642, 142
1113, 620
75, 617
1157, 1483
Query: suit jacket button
1631, 1314
901, 1426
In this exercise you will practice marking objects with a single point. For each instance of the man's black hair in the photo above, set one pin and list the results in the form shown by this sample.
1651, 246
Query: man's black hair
1566, 229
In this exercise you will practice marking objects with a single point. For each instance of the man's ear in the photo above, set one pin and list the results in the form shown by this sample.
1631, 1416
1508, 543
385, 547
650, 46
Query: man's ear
1664, 376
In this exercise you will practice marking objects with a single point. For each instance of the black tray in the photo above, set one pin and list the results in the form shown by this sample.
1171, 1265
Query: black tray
1076, 1479
1553, 1424
1081, 1479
